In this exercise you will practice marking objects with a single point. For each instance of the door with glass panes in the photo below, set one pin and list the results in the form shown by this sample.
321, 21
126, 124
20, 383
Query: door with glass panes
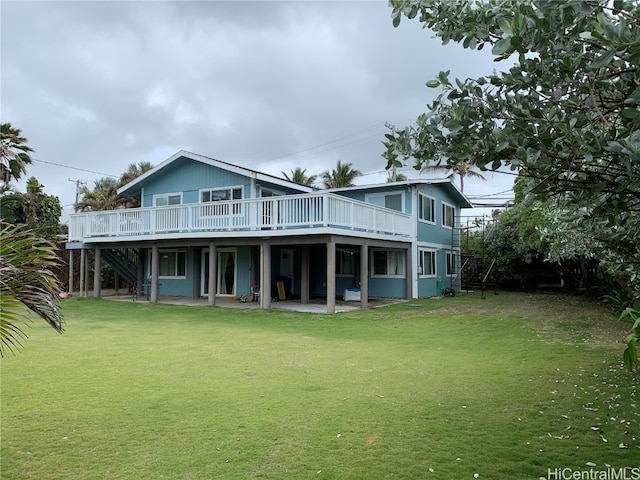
226, 277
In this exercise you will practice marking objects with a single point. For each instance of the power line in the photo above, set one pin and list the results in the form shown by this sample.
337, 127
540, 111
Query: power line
370, 128
73, 168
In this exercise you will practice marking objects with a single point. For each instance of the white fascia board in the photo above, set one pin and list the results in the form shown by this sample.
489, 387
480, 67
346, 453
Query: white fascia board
214, 163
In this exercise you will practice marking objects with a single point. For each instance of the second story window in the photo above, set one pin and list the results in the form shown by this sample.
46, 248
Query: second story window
426, 208
219, 195
163, 200
448, 215
392, 200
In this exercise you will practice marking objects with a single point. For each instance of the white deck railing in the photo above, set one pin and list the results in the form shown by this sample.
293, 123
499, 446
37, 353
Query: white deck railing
291, 212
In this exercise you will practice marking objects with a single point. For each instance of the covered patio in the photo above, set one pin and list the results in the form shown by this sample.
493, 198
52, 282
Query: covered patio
314, 305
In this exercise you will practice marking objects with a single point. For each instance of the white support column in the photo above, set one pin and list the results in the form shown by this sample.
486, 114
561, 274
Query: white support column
97, 272
155, 264
331, 275
213, 273
364, 276
408, 267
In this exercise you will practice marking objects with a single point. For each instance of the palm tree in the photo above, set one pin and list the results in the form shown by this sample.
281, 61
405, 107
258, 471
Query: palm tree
14, 153
134, 170
462, 169
298, 175
393, 176
341, 176
27, 283
104, 196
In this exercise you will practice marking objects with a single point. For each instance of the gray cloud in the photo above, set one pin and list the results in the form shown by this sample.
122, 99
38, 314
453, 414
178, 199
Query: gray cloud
98, 85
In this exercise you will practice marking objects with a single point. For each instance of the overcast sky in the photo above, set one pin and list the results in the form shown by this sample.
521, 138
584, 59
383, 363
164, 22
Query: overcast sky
266, 85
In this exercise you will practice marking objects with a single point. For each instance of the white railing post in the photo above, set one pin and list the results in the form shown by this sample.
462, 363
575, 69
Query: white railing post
325, 211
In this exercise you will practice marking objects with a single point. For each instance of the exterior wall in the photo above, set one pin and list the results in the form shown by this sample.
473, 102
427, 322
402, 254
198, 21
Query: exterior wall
387, 287
364, 195
188, 177
434, 236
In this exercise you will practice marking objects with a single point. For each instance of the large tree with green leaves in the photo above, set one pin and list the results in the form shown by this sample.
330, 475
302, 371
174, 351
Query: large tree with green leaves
342, 176
565, 113
27, 283
14, 153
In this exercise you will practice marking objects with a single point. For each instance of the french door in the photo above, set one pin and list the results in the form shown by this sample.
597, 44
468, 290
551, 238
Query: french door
227, 272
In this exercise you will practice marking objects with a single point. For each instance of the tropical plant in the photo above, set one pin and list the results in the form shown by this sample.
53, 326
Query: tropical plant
632, 340
133, 171
14, 156
462, 170
27, 283
41, 212
342, 176
298, 175
566, 114
104, 196
394, 176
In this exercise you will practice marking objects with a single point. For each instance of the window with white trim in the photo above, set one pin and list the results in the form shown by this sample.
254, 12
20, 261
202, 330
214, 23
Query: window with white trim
165, 199
212, 195
387, 263
427, 263
171, 264
448, 215
345, 263
392, 200
451, 263
426, 208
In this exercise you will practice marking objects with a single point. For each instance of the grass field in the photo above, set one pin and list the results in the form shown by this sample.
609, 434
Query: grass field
505, 388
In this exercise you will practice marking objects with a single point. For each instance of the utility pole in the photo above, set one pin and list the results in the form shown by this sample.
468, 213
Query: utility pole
79, 185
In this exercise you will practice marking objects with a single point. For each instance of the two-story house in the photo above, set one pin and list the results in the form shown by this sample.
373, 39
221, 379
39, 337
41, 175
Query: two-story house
209, 228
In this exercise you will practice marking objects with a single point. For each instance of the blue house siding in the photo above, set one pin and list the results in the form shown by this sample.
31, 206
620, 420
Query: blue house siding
187, 174
189, 177
366, 195
387, 287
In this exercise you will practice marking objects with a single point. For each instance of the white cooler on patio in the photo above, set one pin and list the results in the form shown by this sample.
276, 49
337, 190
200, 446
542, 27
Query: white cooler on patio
352, 295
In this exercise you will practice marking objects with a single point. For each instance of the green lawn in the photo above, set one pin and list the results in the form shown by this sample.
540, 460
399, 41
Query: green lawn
506, 387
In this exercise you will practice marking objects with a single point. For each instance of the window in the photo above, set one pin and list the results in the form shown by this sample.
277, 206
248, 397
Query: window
162, 200
388, 263
345, 262
172, 264
427, 263
393, 200
426, 208
219, 195
451, 263
448, 215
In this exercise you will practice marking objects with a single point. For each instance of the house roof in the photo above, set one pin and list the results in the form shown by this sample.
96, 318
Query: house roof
446, 183
132, 187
